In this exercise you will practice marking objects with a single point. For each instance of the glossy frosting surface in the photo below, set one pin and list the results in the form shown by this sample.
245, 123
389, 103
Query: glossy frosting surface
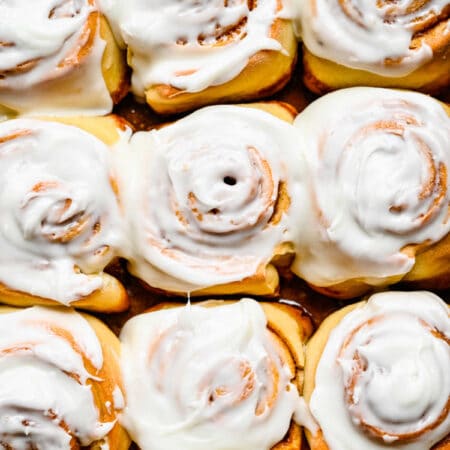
370, 35
379, 163
191, 45
205, 378
383, 379
49, 48
202, 193
60, 217
45, 397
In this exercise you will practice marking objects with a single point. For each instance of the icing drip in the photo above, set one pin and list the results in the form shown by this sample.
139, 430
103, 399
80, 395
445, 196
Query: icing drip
60, 218
234, 391
379, 161
203, 197
377, 36
40, 48
46, 402
192, 44
391, 382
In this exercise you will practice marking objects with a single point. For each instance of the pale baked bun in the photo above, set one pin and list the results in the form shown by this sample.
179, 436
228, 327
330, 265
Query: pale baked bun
185, 55
211, 200
379, 165
376, 375
381, 44
61, 218
59, 57
242, 365
61, 382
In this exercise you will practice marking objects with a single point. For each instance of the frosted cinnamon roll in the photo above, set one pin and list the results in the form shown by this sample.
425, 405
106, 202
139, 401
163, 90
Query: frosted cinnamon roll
186, 54
379, 163
377, 375
376, 43
215, 376
60, 381
58, 57
211, 201
60, 219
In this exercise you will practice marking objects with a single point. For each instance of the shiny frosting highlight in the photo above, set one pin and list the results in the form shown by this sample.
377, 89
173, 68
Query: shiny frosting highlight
379, 163
60, 222
376, 36
51, 48
202, 197
46, 401
205, 377
192, 45
383, 379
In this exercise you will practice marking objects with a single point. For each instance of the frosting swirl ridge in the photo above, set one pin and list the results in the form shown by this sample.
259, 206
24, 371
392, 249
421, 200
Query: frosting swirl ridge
60, 217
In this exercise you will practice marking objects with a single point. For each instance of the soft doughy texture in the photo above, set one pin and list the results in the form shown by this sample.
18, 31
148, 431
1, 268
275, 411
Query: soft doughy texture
211, 200
192, 53
379, 162
61, 222
58, 57
382, 44
61, 384
239, 383
377, 374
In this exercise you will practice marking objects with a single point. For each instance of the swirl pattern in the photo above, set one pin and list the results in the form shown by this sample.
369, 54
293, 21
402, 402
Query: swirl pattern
192, 45
236, 389
215, 197
60, 218
50, 364
39, 49
381, 184
392, 387
384, 37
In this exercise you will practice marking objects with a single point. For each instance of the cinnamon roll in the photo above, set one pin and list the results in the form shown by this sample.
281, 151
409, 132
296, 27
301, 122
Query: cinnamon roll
60, 381
376, 43
190, 53
377, 375
58, 57
379, 162
61, 223
211, 201
215, 376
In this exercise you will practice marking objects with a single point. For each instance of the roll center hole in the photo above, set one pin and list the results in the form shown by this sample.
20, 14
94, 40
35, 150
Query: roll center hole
231, 181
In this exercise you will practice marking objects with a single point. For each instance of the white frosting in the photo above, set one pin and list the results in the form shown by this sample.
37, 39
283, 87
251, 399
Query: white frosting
153, 30
44, 382
59, 215
364, 34
405, 384
189, 229
199, 378
377, 159
44, 40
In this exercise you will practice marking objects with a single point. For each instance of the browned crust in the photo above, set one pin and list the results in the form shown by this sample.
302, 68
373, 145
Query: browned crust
427, 78
115, 71
166, 99
111, 298
122, 89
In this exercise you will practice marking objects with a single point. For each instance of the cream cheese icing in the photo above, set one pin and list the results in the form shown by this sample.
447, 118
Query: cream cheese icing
368, 35
61, 223
40, 68
38, 395
379, 162
184, 43
386, 367
196, 378
200, 196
